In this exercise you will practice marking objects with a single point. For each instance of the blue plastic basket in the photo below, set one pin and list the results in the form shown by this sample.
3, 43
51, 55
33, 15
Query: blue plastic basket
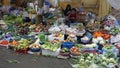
67, 45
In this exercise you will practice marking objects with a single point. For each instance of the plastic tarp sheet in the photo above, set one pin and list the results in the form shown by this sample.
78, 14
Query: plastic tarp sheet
115, 4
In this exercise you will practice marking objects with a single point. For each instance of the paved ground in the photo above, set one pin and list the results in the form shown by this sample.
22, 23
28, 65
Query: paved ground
29, 61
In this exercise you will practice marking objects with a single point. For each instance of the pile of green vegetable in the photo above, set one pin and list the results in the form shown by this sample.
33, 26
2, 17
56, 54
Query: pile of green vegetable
87, 59
11, 19
51, 46
23, 44
114, 31
64, 50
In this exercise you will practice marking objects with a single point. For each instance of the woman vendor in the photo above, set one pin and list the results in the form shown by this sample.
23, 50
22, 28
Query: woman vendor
72, 17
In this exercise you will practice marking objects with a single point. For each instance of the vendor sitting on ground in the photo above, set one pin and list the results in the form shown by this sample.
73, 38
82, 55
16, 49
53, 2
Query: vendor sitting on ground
72, 17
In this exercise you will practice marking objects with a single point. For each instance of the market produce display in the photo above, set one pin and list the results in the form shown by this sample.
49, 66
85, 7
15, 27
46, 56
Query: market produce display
87, 43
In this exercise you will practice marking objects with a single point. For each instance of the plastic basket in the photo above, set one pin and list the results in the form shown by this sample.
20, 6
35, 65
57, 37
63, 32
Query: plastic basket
67, 45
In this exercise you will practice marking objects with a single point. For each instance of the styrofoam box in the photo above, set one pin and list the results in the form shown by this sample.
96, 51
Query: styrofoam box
50, 53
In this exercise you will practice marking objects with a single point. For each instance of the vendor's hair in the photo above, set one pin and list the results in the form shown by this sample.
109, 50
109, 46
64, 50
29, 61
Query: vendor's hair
68, 7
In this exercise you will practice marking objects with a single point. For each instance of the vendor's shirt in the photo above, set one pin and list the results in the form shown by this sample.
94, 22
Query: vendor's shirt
73, 16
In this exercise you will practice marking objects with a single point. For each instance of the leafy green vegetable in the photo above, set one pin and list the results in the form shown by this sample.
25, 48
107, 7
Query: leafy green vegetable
13, 61
42, 37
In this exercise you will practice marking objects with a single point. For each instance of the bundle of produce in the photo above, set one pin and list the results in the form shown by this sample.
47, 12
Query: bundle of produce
32, 27
91, 48
35, 47
97, 34
114, 31
65, 52
51, 46
13, 19
71, 38
22, 31
22, 44
19, 20
13, 44
6, 17
107, 61
42, 37
51, 49
109, 48
80, 47
102, 33
93, 26
93, 45
4, 43
74, 51
98, 40
110, 51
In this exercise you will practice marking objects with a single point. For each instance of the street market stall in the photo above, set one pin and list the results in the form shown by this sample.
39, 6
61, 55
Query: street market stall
88, 42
